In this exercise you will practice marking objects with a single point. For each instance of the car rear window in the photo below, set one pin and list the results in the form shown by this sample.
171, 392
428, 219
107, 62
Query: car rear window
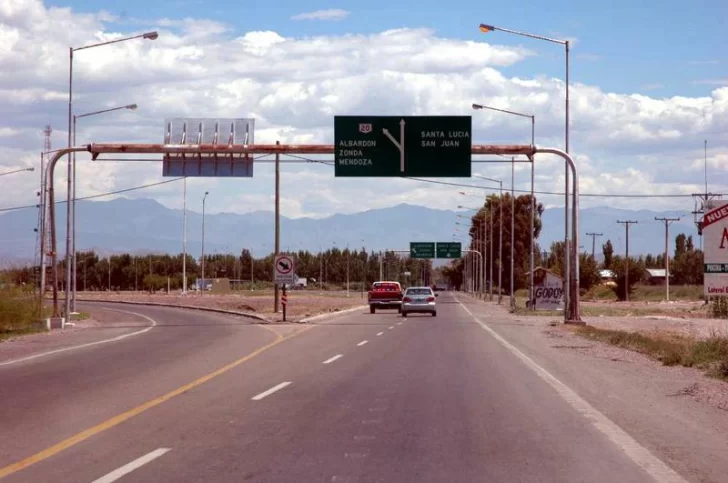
387, 287
419, 291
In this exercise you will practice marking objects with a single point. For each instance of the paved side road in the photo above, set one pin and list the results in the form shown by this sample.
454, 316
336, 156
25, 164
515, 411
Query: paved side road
358, 398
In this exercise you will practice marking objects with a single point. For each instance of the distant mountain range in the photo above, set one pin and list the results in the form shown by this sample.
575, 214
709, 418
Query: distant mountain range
144, 225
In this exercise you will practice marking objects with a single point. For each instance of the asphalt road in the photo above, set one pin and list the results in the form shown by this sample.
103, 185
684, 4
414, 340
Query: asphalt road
358, 398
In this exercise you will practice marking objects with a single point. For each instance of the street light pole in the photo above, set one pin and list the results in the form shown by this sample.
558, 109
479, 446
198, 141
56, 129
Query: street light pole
533, 197
485, 28
16, 171
513, 228
202, 258
71, 161
73, 197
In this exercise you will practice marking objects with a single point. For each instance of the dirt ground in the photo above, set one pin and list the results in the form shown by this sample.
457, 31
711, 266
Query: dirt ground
300, 304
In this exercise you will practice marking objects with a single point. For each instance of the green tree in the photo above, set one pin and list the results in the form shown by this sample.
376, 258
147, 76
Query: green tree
523, 206
636, 273
588, 272
608, 252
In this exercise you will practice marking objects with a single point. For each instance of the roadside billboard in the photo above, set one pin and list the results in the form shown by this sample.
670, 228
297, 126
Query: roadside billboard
548, 290
715, 249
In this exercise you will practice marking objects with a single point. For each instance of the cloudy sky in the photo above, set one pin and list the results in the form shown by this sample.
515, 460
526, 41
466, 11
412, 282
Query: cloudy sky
649, 83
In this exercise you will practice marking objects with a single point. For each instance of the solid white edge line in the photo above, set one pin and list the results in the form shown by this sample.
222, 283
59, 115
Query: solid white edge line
362, 343
337, 356
650, 463
105, 341
270, 391
380, 333
129, 467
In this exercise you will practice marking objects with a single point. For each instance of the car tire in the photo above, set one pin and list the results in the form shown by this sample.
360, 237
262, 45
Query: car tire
399, 309
372, 309
404, 314
434, 314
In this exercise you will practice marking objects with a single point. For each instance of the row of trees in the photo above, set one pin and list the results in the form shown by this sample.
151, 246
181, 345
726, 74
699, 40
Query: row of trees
154, 272
495, 207
686, 264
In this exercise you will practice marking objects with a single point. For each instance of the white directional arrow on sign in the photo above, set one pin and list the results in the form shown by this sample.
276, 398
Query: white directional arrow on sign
400, 144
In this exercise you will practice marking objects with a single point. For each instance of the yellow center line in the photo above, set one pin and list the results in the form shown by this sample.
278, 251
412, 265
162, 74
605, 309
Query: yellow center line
118, 419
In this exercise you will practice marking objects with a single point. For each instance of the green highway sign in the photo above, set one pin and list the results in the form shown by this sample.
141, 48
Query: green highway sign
449, 249
422, 250
389, 146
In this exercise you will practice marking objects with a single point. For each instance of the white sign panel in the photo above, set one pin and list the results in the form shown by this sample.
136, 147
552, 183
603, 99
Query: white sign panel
548, 290
715, 246
284, 270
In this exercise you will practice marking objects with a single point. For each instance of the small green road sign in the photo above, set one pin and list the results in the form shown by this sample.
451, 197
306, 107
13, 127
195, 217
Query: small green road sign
384, 146
449, 249
422, 250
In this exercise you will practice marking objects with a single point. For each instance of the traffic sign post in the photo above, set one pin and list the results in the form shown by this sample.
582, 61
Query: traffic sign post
422, 250
390, 146
284, 302
284, 270
449, 249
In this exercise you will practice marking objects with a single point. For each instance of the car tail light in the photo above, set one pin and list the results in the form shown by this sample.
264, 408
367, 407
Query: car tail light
407, 299
430, 299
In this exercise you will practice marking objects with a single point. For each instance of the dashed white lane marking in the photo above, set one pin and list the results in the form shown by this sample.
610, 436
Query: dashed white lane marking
371, 421
380, 333
81, 346
337, 356
270, 391
362, 343
652, 465
129, 467
391, 327
356, 455
399, 323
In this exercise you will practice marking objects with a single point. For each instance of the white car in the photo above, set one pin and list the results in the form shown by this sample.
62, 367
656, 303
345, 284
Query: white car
419, 300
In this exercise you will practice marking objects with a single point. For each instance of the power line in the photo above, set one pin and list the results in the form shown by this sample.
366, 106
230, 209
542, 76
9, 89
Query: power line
594, 195
126, 190
626, 260
667, 252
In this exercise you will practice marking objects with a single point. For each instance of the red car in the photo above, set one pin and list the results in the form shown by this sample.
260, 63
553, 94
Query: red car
385, 295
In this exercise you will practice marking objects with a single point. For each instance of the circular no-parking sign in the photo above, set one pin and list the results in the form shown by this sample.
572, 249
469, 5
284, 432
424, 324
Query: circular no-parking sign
284, 265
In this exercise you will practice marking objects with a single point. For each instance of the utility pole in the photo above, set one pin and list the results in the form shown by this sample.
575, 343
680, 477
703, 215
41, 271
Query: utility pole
594, 242
626, 224
278, 224
667, 253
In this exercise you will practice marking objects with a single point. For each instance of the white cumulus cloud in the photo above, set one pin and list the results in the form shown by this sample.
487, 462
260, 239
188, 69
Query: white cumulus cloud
328, 14
294, 86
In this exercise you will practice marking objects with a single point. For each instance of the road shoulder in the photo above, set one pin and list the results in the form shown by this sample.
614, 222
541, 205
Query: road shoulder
675, 412
102, 324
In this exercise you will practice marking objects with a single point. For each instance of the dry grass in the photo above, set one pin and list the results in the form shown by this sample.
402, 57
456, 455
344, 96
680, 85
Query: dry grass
19, 312
709, 354
300, 304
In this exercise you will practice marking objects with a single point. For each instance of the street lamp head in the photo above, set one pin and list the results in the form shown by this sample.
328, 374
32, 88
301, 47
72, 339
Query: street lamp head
486, 28
31, 169
207, 193
150, 35
477, 106
131, 107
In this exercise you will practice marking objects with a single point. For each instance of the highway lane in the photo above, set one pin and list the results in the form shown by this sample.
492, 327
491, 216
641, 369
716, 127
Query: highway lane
47, 399
359, 398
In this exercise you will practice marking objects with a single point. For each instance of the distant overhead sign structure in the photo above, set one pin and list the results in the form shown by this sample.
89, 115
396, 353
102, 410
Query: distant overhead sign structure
449, 249
715, 245
422, 250
384, 146
191, 131
284, 270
